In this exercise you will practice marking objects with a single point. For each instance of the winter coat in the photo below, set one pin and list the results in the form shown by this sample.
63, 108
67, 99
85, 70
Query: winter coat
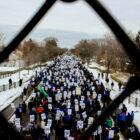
40, 109
109, 121
24, 108
132, 114
123, 117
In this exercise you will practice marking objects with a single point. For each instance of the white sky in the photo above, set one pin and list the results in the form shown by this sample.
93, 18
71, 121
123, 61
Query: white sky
73, 17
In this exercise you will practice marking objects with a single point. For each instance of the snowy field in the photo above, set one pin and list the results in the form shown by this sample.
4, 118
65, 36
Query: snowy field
97, 65
15, 77
4, 69
115, 92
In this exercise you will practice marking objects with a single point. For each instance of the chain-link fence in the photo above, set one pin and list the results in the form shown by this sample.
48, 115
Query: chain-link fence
127, 44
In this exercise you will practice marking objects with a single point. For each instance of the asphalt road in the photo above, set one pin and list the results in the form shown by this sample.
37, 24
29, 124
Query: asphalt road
9, 111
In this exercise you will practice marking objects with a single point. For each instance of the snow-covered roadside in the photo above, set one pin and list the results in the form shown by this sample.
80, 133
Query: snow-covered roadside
4, 69
12, 119
115, 92
15, 77
93, 64
8, 96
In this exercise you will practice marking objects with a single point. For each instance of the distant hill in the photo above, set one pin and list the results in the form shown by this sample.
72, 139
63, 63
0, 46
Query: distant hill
66, 38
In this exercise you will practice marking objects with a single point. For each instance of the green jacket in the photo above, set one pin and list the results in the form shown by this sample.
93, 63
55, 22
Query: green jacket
109, 122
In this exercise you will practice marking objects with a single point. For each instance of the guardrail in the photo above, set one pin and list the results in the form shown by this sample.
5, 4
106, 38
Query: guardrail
9, 73
101, 70
134, 100
16, 84
9, 86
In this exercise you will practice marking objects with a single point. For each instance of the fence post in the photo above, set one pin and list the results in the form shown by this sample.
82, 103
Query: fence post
129, 99
14, 84
9, 86
4, 87
136, 102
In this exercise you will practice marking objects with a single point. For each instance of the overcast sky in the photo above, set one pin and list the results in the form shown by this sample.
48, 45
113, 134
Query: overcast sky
73, 17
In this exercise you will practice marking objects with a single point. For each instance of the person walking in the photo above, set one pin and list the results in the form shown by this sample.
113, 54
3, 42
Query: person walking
10, 82
120, 85
98, 75
20, 82
24, 108
112, 85
102, 75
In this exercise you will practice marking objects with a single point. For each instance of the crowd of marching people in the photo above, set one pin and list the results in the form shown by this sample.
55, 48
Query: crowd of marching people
67, 101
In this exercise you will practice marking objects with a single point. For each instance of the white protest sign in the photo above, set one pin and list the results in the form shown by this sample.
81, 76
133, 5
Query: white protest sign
82, 98
43, 116
83, 106
49, 99
64, 84
49, 122
99, 97
88, 93
90, 120
32, 118
47, 130
50, 106
76, 102
66, 133
94, 95
12, 105
58, 111
76, 107
69, 95
68, 104
62, 88
94, 133
99, 129
84, 114
80, 124
17, 121
69, 111
121, 106
81, 103
71, 138
73, 92
99, 112
34, 95
53, 88
57, 117
24, 98
111, 134
57, 97
65, 95
62, 113
78, 91
46, 88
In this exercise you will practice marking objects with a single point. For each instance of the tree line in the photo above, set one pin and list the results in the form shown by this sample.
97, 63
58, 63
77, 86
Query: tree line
33, 52
108, 52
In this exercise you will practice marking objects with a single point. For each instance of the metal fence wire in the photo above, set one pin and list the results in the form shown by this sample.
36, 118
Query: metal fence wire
128, 45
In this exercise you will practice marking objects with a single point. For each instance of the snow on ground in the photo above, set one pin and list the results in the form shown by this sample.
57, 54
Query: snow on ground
15, 77
115, 92
12, 119
94, 64
8, 96
4, 69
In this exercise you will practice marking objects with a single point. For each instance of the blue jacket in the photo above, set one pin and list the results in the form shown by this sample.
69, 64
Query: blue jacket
132, 114
123, 117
